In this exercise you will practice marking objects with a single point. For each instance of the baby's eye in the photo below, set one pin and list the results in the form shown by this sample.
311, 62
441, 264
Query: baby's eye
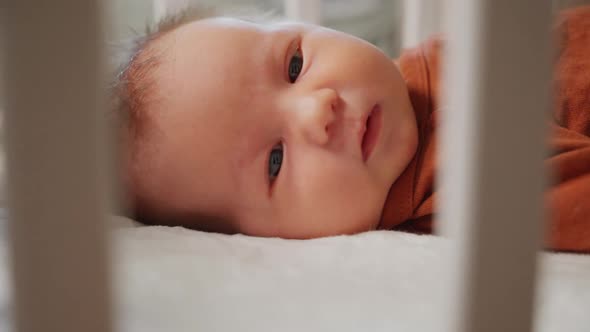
275, 161
295, 65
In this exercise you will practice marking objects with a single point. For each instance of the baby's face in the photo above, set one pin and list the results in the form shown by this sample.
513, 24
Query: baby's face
289, 130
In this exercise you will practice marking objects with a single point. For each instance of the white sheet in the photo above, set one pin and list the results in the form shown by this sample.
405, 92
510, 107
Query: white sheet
173, 279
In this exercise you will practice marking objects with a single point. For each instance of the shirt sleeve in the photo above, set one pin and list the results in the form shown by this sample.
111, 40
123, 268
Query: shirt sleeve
568, 197
572, 70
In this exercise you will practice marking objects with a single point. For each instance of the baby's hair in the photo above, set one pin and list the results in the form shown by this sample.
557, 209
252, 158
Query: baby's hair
135, 60
133, 91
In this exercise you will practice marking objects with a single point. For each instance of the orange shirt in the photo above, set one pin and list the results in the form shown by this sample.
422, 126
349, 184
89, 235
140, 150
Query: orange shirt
411, 203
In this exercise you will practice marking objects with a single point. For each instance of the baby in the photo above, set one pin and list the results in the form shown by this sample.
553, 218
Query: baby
284, 129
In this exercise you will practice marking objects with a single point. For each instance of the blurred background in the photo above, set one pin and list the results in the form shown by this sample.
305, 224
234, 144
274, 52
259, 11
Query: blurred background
377, 21
389, 24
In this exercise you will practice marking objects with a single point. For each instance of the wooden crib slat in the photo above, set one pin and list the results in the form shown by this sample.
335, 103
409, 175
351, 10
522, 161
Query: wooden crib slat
56, 166
498, 88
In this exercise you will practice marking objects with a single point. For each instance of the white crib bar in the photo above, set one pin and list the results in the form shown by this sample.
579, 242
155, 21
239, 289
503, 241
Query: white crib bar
498, 65
304, 10
56, 165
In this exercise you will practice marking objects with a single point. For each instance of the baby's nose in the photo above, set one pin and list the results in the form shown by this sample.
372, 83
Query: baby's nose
317, 113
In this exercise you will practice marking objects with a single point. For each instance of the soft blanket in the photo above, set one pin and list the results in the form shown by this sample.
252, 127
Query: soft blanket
174, 279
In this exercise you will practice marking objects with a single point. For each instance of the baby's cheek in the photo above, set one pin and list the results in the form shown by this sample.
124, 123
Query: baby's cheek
339, 200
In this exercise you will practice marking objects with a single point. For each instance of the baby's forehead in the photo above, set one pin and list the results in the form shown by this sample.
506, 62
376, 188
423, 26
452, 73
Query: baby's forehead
208, 69
212, 69
223, 34
216, 31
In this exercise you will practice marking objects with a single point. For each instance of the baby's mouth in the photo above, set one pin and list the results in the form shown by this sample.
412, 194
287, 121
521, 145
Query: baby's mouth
372, 130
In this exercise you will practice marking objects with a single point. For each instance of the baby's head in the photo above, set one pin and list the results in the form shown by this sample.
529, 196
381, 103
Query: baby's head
269, 129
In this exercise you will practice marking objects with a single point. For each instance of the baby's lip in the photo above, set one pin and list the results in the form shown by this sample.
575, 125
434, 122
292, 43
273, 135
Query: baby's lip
369, 133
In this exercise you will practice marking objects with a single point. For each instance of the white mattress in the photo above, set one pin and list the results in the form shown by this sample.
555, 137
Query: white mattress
173, 279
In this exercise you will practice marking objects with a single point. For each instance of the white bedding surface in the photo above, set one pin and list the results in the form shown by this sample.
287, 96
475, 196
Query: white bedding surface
173, 279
